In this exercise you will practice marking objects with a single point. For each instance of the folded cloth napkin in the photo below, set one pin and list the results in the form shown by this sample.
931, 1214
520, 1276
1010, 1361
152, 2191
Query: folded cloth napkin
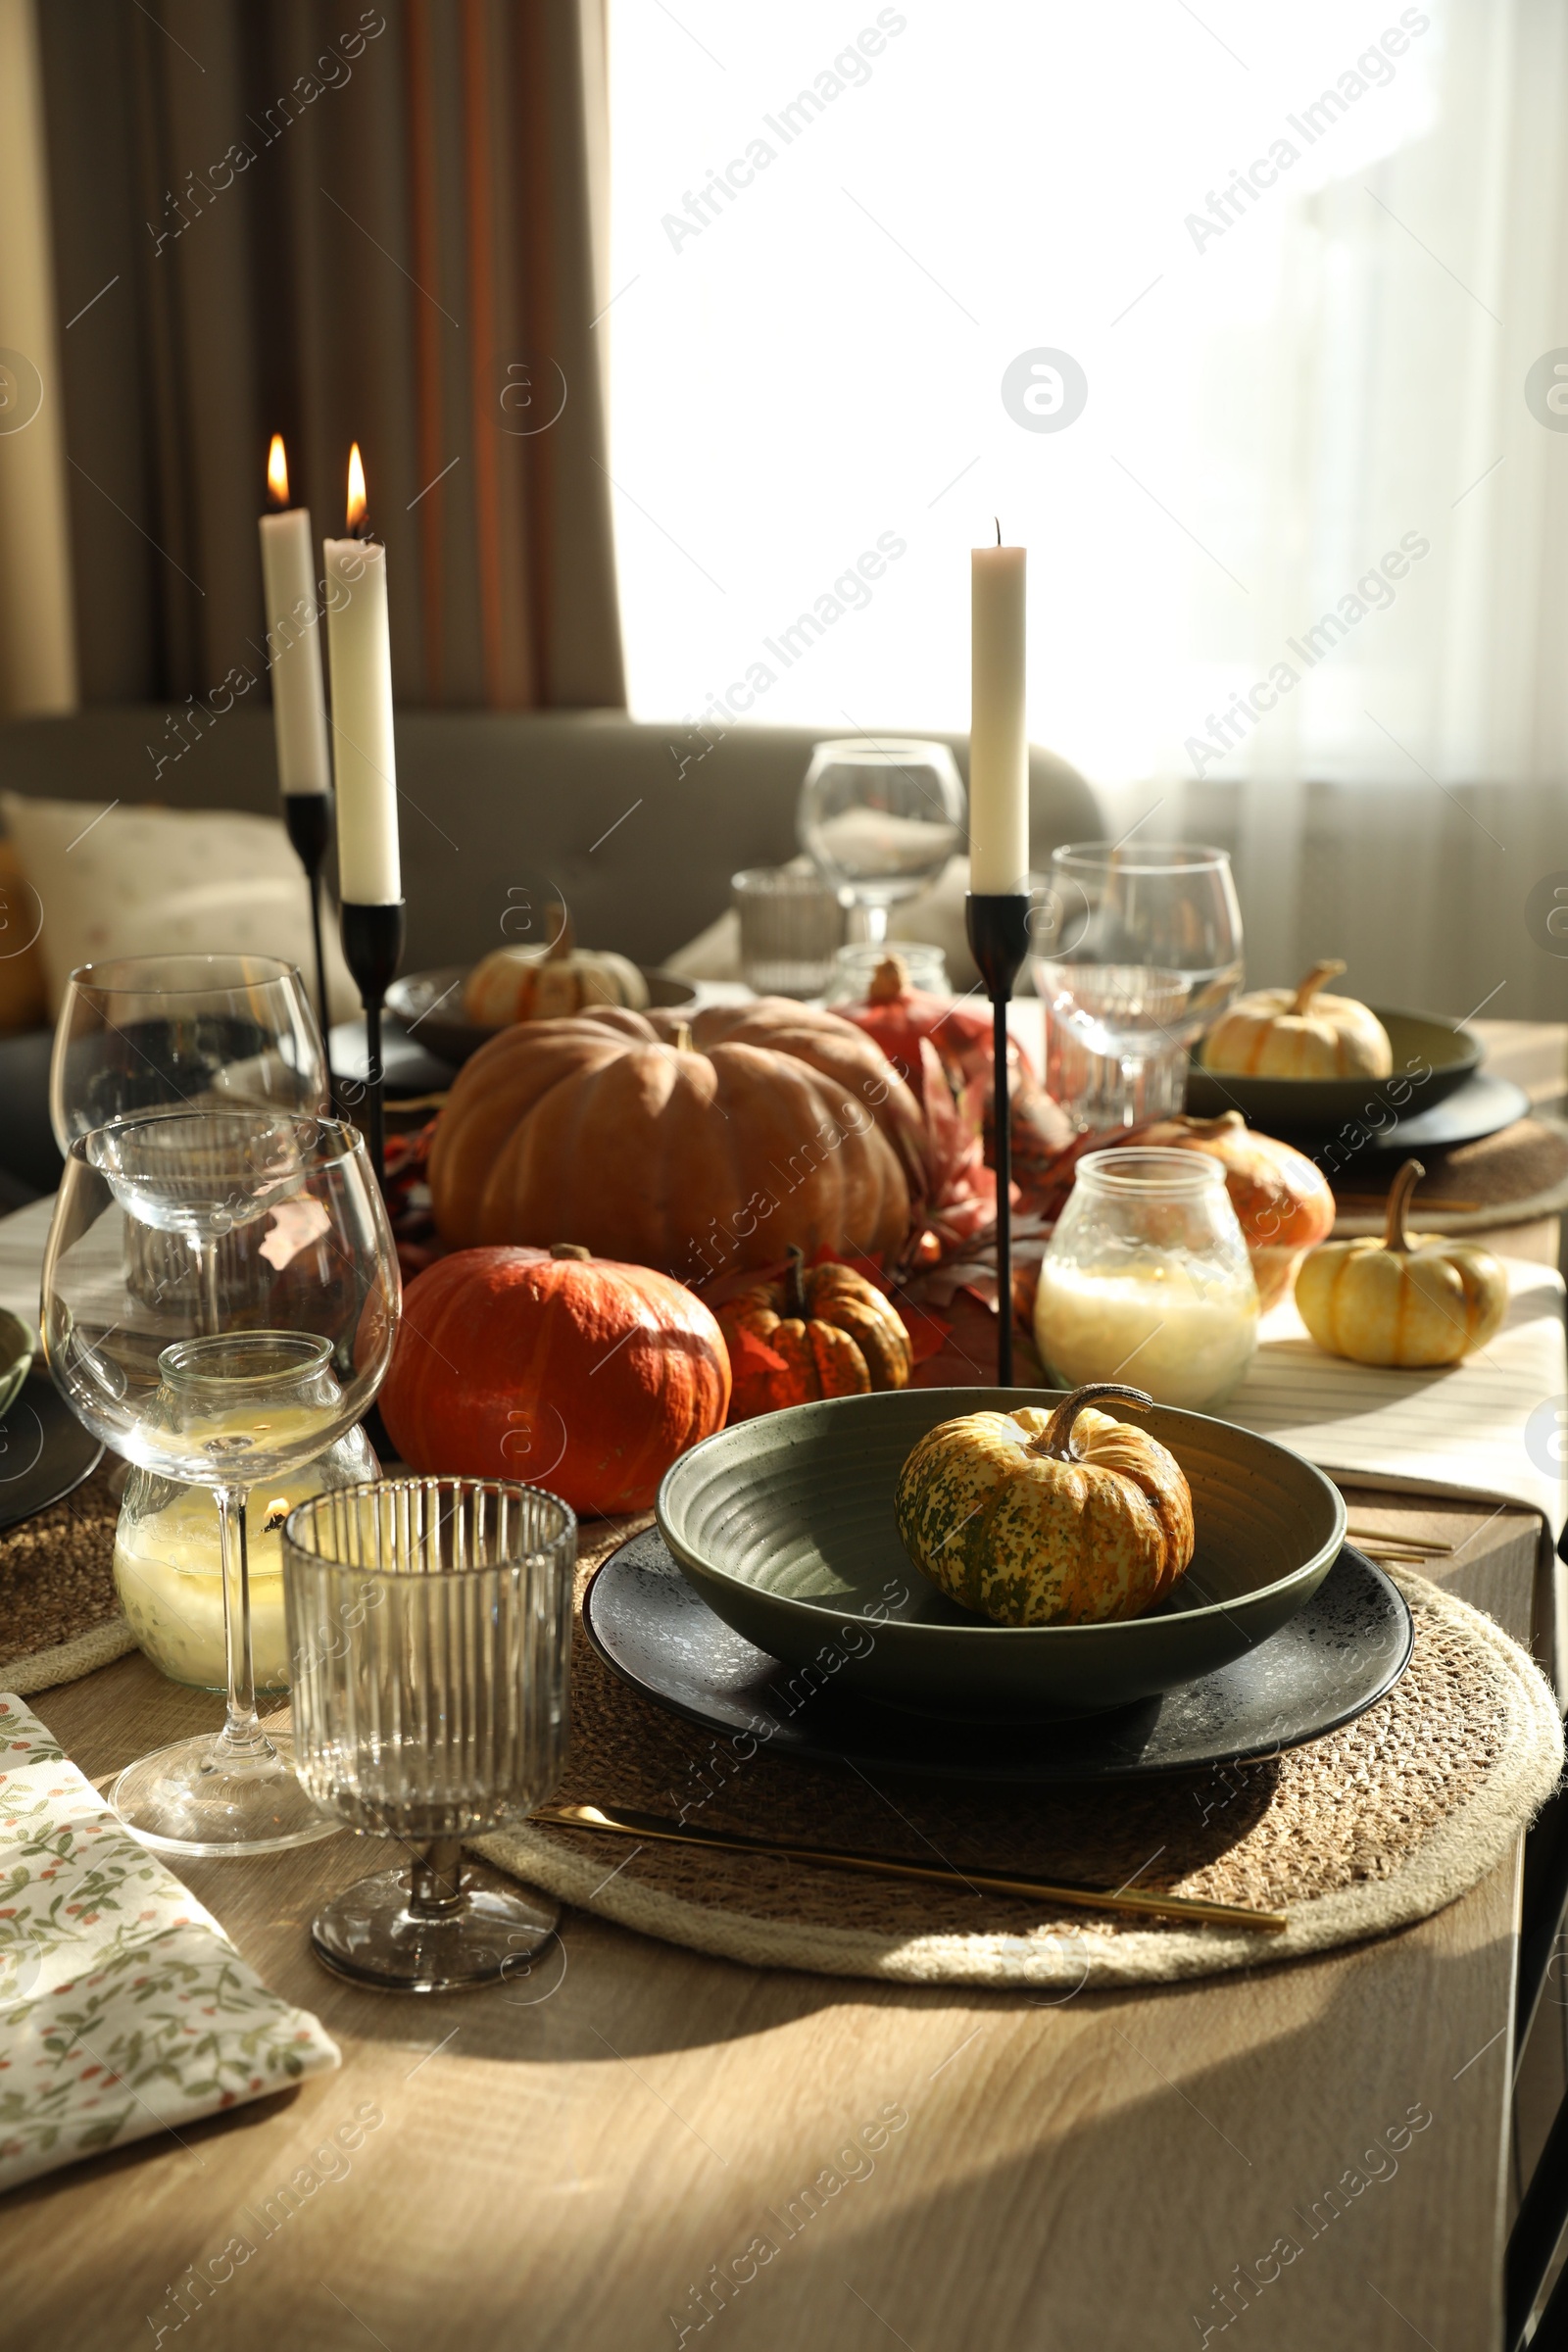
124, 2007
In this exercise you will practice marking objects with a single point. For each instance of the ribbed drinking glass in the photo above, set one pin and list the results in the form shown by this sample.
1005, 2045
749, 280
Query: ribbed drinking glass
429, 1625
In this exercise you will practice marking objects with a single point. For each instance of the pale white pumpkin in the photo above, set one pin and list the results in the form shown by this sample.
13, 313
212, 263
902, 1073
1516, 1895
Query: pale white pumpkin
1300, 1033
518, 984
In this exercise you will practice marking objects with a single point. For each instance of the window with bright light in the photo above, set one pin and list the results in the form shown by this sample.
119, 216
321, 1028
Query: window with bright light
1227, 314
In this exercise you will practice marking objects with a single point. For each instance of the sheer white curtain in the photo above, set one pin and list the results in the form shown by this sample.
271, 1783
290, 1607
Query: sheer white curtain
1299, 567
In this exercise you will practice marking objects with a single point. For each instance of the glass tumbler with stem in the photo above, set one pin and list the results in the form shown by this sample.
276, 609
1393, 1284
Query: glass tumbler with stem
221, 1297
880, 818
430, 1629
146, 1033
1135, 952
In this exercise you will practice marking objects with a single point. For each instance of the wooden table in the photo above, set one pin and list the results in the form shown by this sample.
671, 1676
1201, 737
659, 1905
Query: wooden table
563, 2162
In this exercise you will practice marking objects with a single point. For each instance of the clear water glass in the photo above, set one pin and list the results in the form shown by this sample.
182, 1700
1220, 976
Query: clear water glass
880, 817
220, 1298
148, 1033
791, 925
1135, 952
1147, 1279
429, 1624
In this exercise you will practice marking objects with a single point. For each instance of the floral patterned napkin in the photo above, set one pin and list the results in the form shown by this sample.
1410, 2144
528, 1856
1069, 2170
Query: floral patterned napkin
124, 2007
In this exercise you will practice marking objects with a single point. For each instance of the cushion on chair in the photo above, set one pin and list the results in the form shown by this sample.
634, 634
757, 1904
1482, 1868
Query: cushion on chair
133, 881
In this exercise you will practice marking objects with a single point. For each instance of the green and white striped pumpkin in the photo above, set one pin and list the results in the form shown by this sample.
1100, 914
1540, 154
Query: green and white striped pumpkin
1037, 1517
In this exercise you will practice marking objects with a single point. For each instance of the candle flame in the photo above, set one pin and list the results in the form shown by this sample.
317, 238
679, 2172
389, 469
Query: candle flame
278, 472
356, 487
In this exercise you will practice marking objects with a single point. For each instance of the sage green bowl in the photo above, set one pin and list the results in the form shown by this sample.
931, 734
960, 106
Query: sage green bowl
19, 1345
785, 1527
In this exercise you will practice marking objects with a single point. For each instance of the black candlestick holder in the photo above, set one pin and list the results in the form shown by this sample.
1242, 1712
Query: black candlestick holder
308, 819
372, 949
998, 924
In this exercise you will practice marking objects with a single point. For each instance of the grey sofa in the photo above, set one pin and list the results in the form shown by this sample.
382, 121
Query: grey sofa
638, 827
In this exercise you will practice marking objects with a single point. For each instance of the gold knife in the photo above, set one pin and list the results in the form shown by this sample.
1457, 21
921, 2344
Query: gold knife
627, 1823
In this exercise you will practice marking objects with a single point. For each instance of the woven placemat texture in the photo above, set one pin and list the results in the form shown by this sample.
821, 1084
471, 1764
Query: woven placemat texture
1376, 1826
58, 1617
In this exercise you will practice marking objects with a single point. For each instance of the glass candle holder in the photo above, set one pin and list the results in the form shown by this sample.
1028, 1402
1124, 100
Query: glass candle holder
430, 1634
1147, 1279
169, 1565
855, 967
791, 924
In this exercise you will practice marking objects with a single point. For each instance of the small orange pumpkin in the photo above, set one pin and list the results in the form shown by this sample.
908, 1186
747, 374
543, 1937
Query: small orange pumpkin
823, 1333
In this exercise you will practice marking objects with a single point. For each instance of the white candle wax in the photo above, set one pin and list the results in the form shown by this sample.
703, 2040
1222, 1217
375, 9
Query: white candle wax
1187, 1343
999, 740
171, 1585
294, 650
361, 643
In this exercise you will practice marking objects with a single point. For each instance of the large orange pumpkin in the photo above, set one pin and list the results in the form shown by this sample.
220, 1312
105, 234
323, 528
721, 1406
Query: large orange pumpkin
564, 1371
697, 1151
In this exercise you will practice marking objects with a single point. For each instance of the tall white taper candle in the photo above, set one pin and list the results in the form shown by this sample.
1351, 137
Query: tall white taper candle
999, 738
294, 639
359, 639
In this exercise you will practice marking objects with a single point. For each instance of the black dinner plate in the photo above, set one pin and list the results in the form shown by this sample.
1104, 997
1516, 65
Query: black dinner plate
44, 1452
1336, 1658
1484, 1105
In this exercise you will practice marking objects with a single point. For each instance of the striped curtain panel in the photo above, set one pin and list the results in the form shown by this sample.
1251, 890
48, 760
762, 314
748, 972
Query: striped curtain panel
380, 223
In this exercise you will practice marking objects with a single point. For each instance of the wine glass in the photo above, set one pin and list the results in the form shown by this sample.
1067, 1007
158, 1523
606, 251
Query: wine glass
1134, 953
429, 1623
880, 818
221, 1296
145, 1033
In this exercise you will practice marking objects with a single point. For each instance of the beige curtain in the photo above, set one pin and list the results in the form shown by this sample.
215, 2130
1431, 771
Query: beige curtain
380, 223
37, 643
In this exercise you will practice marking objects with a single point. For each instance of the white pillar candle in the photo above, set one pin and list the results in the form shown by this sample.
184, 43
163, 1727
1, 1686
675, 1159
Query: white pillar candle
359, 639
293, 639
999, 740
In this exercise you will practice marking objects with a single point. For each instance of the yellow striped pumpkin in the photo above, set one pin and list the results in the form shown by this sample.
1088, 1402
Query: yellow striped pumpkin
1037, 1517
1411, 1299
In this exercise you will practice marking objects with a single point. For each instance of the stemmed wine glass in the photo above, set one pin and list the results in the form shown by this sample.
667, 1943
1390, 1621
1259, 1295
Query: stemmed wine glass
145, 1033
221, 1296
1134, 951
880, 818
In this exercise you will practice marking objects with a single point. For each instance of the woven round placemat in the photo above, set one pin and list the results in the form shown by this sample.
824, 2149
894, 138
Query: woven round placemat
1509, 1178
1376, 1826
58, 1617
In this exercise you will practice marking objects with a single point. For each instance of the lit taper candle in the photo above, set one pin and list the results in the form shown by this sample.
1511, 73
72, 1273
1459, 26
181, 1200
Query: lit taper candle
359, 638
369, 879
293, 636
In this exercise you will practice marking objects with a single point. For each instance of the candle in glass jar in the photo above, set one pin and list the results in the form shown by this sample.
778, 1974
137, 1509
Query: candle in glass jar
1146, 1278
1186, 1341
171, 1587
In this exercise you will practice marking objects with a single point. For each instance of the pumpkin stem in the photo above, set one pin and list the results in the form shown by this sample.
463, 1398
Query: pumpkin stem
1055, 1439
568, 1250
562, 944
682, 1040
1226, 1123
1330, 969
889, 981
1404, 1184
795, 1305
